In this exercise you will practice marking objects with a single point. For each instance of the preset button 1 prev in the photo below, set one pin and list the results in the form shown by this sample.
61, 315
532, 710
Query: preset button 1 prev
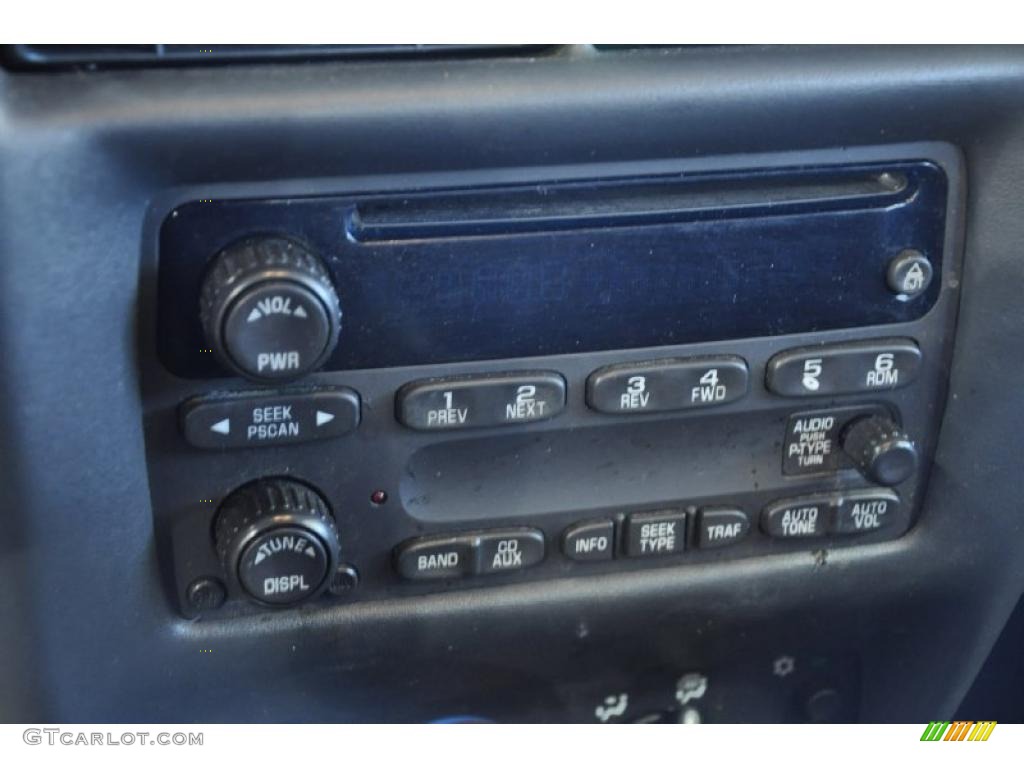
509, 550
250, 420
667, 385
490, 400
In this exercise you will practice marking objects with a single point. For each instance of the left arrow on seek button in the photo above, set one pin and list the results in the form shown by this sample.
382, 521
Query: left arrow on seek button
222, 427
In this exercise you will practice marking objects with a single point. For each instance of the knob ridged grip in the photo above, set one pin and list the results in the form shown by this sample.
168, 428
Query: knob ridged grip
269, 309
277, 539
881, 450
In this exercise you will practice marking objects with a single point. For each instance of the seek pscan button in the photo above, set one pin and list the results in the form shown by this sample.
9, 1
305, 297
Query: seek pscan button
251, 420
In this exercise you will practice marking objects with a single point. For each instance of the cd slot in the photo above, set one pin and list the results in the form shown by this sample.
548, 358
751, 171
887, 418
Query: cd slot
634, 202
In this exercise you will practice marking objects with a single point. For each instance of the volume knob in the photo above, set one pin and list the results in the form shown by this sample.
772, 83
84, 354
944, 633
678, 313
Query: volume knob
269, 309
277, 541
881, 450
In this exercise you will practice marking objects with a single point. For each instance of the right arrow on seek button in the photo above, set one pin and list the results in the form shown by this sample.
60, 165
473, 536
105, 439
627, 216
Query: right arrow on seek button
322, 417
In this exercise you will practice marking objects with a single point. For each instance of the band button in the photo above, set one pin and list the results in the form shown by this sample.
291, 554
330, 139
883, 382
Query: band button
444, 557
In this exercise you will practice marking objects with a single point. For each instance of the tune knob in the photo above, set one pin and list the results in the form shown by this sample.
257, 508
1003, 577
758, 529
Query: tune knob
269, 309
277, 540
881, 450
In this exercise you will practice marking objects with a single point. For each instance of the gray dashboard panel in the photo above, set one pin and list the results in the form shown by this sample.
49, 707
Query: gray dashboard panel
86, 155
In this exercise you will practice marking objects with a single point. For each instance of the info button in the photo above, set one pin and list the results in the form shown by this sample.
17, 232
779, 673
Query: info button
249, 420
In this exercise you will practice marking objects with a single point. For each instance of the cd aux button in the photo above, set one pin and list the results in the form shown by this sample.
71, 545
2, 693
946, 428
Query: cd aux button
509, 550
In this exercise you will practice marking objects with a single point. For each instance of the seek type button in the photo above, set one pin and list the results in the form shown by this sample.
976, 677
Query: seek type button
481, 401
246, 420
649, 534
667, 385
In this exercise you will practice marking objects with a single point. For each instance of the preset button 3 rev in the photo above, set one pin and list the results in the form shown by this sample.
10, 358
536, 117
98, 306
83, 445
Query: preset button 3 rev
667, 385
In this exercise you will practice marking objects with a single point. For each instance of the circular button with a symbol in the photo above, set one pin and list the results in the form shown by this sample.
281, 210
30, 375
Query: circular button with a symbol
909, 274
269, 309
277, 541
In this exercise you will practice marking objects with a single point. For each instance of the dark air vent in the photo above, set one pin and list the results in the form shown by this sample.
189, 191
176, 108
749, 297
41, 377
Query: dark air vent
35, 57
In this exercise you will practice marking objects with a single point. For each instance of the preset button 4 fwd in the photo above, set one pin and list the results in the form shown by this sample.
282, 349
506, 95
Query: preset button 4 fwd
667, 385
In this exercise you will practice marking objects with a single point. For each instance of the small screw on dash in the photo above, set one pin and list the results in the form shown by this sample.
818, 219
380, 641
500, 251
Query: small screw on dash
206, 594
346, 578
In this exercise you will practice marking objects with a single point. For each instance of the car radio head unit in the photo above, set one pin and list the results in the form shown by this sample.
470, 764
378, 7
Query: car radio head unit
362, 393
